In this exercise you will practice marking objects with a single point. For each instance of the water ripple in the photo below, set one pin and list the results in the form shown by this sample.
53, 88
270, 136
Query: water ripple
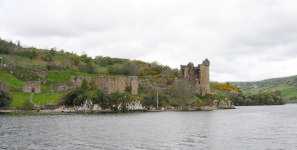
249, 128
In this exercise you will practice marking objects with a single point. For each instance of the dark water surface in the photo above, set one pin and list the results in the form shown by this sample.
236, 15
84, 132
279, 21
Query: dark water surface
254, 127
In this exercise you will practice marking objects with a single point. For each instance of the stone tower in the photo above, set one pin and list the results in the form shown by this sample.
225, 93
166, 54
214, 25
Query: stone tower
204, 77
199, 76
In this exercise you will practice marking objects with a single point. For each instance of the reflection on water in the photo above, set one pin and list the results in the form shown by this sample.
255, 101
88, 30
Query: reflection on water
255, 127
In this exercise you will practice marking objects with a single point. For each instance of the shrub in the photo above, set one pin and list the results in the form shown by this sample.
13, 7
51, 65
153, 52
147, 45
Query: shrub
28, 105
85, 92
74, 98
29, 53
5, 99
89, 68
48, 57
119, 101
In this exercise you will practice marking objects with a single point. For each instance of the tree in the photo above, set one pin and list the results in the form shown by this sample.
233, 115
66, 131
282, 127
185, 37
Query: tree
84, 58
28, 105
119, 101
101, 99
183, 93
262, 98
5, 99
6, 47
30, 53
48, 57
86, 92
75, 60
130, 69
89, 68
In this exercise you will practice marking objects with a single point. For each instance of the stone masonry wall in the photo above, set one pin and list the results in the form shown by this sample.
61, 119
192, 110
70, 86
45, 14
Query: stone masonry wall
3, 87
199, 76
111, 84
32, 87
134, 83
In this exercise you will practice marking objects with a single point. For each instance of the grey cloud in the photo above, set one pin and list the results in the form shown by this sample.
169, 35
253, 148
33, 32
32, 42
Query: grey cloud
244, 39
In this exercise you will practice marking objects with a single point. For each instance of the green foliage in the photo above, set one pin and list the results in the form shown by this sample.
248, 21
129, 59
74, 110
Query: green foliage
208, 100
75, 98
75, 60
10, 80
129, 69
18, 99
5, 99
30, 53
52, 60
58, 67
287, 86
107, 61
119, 101
48, 57
150, 100
89, 67
27, 105
64, 75
29, 73
6, 47
48, 98
101, 99
22, 101
225, 87
84, 58
266, 98
87, 92
183, 94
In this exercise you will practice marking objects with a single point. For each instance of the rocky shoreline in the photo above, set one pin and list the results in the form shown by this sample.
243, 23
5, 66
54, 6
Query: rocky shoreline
75, 111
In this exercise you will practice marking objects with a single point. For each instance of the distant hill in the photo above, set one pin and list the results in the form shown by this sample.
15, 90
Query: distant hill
287, 86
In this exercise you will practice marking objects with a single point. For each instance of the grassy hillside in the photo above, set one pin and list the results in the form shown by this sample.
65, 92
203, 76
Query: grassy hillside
287, 86
20, 64
10, 80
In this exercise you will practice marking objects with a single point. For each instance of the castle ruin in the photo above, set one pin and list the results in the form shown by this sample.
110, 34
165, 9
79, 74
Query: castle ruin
111, 84
3, 87
199, 76
32, 87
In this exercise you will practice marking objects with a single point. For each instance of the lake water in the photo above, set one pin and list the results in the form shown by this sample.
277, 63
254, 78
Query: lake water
254, 127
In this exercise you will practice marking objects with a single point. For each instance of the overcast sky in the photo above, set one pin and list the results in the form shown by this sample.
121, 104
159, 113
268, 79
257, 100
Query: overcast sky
245, 40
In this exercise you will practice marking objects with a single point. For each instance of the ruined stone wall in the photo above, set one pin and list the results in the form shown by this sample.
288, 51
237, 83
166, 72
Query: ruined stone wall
189, 71
199, 76
134, 84
111, 84
3, 87
32, 87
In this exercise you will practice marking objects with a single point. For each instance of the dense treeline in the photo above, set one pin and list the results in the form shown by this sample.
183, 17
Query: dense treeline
264, 98
239, 98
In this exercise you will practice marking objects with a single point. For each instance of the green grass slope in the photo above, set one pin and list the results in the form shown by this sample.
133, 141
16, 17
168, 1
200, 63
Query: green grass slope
10, 80
287, 86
